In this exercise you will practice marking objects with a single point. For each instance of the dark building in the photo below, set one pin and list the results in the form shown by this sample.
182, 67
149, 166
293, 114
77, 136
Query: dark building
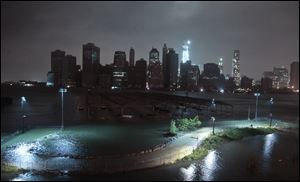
69, 75
211, 79
184, 68
120, 61
171, 70
105, 77
266, 84
193, 78
63, 68
90, 65
131, 57
154, 70
57, 59
294, 76
78, 76
246, 83
50, 79
137, 75
164, 62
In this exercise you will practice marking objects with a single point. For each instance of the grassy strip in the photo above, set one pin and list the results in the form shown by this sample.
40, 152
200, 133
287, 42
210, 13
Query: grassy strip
8, 168
213, 141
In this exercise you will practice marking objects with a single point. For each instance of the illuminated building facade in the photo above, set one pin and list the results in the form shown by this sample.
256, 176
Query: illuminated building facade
236, 68
221, 65
154, 70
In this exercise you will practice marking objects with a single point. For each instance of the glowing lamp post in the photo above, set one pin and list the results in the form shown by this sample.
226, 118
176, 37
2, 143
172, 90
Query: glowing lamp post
62, 91
23, 100
213, 106
271, 114
256, 95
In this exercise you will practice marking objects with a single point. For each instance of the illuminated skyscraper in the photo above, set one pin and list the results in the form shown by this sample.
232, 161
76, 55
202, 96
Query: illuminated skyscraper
185, 51
236, 68
281, 77
221, 65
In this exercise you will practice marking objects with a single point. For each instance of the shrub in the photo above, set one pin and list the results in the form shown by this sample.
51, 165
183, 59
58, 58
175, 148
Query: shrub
186, 124
173, 128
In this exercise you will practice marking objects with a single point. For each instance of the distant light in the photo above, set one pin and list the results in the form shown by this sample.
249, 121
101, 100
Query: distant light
28, 85
257, 94
68, 86
62, 90
222, 90
201, 90
189, 42
293, 87
23, 99
221, 59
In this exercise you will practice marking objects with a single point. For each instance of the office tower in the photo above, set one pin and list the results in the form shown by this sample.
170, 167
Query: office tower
57, 59
294, 76
90, 64
171, 69
185, 51
164, 62
221, 65
281, 78
120, 65
236, 68
246, 83
131, 57
141, 73
154, 70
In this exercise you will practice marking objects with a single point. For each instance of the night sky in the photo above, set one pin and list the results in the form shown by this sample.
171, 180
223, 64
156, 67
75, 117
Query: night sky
266, 33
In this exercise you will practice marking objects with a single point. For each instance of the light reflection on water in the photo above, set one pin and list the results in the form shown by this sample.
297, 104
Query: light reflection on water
254, 158
270, 140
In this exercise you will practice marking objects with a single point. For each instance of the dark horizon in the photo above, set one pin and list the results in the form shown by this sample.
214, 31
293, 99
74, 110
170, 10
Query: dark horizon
266, 33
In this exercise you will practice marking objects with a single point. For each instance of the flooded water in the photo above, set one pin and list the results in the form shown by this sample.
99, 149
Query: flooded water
270, 157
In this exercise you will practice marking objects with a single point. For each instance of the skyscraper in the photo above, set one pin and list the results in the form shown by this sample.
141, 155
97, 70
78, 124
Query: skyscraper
155, 70
57, 59
294, 75
171, 69
281, 77
164, 61
131, 57
119, 80
236, 68
90, 64
185, 51
221, 65
120, 60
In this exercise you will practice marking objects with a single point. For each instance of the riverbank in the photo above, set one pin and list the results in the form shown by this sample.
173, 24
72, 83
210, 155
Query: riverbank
229, 134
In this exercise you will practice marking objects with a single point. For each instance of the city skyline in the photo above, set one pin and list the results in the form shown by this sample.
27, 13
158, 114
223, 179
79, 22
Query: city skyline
274, 41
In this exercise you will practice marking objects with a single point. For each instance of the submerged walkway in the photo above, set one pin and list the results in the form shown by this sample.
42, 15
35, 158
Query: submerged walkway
176, 150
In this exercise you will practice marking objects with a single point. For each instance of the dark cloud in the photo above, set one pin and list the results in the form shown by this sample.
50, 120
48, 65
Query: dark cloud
267, 33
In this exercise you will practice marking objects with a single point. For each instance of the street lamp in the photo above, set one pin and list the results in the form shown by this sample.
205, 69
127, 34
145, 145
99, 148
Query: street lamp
271, 114
23, 100
62, 91
256, 95
212, 105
